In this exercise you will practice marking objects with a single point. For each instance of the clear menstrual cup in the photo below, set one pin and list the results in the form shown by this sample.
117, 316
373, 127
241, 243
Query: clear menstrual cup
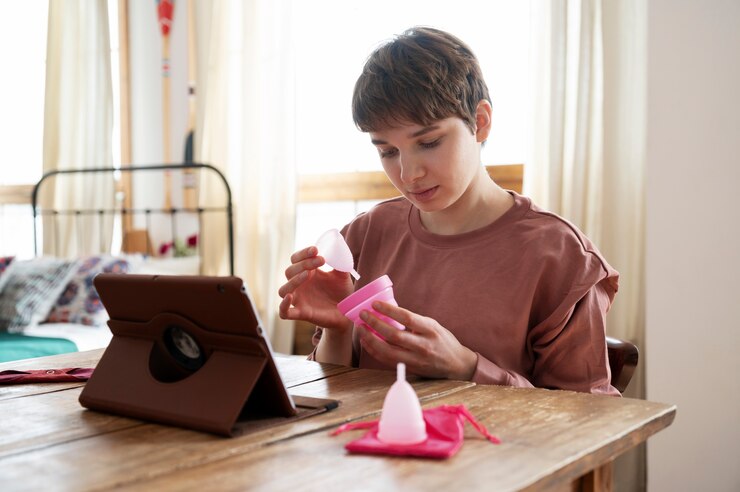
380, 289
401, 421
334, 249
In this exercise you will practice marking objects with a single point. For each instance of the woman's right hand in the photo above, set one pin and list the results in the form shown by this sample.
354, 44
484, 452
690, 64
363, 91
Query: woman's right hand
312, 294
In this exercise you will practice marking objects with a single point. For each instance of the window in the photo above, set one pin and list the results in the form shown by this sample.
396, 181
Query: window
333, 39
23, 37
23, 58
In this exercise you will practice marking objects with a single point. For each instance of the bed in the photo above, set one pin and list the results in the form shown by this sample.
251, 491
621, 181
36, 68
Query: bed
48, 304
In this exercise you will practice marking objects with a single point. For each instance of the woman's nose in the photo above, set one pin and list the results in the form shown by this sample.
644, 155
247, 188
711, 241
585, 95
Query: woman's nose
411, 169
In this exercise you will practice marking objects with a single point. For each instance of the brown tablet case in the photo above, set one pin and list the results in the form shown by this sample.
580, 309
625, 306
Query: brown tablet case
189, 351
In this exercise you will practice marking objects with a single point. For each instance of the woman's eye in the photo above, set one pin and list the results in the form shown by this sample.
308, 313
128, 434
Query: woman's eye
430, 145
387, 153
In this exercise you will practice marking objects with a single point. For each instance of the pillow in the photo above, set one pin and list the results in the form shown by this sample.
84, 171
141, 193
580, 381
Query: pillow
79, 301
4, 262
28, 290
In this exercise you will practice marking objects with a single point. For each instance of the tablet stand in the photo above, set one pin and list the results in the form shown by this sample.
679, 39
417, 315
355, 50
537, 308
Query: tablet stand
138, 376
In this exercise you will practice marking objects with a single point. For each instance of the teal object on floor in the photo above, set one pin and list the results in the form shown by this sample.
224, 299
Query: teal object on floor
17, 347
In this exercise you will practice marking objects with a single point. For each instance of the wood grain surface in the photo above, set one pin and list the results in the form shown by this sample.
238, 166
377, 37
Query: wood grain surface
89, 358
118, 451
551, 440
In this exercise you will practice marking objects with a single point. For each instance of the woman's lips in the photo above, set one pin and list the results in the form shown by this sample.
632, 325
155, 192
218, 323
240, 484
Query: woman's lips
424, 195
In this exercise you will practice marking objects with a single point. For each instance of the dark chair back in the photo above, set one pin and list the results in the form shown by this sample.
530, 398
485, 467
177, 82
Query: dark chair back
623, 357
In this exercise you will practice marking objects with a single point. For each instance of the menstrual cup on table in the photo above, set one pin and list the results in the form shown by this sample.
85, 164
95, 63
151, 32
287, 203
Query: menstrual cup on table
380, 289
401, 421
334, 249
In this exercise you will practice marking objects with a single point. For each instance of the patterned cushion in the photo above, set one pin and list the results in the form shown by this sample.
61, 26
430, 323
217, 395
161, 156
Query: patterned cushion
4, 262
79, 302
28, 290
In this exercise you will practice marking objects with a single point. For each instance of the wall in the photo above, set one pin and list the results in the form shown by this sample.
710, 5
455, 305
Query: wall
145, 44
147, 143
693, 242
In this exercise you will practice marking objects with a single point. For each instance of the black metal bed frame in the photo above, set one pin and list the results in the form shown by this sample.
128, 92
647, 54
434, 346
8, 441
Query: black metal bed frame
147, 212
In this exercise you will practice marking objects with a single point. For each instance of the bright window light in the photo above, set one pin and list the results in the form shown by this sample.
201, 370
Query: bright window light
332, 39
331, 50
23, 35
23, 58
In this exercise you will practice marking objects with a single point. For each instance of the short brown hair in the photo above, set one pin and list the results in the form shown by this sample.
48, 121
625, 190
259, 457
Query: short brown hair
421, 76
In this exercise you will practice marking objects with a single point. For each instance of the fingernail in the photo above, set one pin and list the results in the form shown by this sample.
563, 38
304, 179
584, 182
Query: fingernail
363, 315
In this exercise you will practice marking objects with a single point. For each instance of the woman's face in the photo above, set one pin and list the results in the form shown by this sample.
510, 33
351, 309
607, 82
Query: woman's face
433, 166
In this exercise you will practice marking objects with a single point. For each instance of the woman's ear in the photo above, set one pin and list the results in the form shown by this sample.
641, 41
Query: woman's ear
482, 121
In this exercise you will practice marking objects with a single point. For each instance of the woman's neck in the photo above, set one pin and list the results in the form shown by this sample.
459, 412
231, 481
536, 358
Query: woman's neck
482, 203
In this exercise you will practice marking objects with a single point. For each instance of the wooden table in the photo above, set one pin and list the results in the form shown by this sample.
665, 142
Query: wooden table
551, 440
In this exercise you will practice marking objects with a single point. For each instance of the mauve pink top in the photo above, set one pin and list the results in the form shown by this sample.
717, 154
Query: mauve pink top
528, 293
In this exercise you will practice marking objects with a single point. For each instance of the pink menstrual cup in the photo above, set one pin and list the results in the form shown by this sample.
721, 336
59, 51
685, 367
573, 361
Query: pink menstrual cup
380, 289
334, 249
402, 421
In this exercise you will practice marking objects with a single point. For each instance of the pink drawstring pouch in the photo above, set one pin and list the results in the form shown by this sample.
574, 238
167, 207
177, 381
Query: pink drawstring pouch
67, 375
444, 425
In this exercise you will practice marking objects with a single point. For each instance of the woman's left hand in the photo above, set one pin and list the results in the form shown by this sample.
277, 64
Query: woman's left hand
426, 347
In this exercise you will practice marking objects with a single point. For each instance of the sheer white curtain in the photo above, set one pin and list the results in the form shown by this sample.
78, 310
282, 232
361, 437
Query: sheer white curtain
589, 134
78, 124
566, 171
244, 126
588, 161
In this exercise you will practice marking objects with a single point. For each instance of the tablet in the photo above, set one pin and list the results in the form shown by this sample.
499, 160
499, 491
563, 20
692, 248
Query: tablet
186, 350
